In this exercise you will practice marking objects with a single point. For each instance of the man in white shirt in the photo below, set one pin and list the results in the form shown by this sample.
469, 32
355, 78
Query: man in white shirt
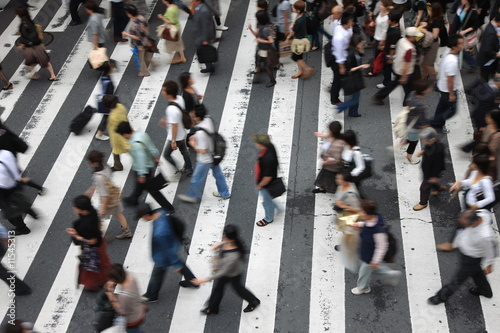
9, 178
203, 143
176, 137
340, 44
448, 83
477, 246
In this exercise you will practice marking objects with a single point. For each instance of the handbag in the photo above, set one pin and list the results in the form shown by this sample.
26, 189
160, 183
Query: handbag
352, 82
300, 46
97, 57
152, 48
285, 48
170, 32
276, 187
345, 219
472, 39
378, 63
206, 54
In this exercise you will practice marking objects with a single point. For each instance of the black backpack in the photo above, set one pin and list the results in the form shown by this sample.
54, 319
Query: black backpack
179, 228
312, 24
390, 255
186, 119
367, 172
219, 145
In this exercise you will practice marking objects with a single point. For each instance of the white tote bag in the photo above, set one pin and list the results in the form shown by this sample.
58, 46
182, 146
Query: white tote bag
97, 57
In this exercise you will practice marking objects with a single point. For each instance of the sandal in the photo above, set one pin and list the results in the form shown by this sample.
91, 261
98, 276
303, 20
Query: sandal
8, 87
263, 223
297, 76
53, 79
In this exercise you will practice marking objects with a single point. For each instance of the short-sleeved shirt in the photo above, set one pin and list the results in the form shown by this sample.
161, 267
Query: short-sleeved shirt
205, 141
449, 67
95, 27
443, 34
300, 27
283, 7
264, 33
393, 35
174, 116
266, 165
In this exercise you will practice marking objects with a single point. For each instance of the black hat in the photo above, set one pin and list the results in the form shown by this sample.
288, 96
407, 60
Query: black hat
143, 209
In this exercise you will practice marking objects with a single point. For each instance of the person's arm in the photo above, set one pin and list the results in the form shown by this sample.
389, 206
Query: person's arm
79, 239
435, 34
450, 81
406, 66
381, 247
489, 249
194, 144
95, 37
286, 15
164, 19
419, 17
359, 161
488, 192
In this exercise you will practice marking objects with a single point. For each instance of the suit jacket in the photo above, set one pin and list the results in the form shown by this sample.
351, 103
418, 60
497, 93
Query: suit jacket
489, 47
204, 25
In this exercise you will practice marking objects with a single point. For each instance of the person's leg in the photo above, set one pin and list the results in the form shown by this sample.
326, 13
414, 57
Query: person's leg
268, 204
188, 167
388, 88
199, 175
483, 286
220, 181
334, 92
242, 291
353, 108
21, 288
186, 272
425, 192
73, 9
439, 121
387, 71
465, 270
142, 61
32, 184
102, 125
411, 147
168, 153
469, 58
155, 282
348, 102
4, 78
269, 72
51, 71
117, 164
217, 294
133, 198
364, 277
161, 200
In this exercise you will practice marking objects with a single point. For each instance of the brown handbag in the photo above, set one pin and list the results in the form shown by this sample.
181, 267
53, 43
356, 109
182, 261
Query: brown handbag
168, 36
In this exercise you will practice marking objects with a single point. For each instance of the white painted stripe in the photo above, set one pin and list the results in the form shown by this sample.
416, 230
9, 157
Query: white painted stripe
212, 211
265, 257
60, 21
422, 268
327, 310
461, 131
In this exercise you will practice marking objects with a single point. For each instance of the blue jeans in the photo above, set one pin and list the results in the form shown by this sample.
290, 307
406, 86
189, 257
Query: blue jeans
199, 176
352, 104
469, 59
269, 205
444, 110
135, 53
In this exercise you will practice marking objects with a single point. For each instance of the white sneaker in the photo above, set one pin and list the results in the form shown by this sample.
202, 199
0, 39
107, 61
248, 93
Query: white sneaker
102, 137
357, 291
394, 277
221, 27
412, 160
218, 195
187, 198
380, 86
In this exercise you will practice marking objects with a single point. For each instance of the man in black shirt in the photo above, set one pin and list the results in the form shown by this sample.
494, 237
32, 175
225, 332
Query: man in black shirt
266, 170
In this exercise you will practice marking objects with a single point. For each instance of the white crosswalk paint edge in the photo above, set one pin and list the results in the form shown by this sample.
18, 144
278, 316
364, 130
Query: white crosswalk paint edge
422, 268
327, 310
212, 211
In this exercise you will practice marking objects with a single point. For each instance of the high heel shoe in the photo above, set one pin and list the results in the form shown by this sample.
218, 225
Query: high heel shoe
209, 311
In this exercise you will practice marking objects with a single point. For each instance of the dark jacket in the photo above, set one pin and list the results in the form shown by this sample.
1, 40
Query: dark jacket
489, 48
433, 160
367, 247
204, 25
483, 100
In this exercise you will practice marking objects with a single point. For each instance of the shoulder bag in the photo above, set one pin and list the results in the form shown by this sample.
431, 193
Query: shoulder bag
276, 187
156, 183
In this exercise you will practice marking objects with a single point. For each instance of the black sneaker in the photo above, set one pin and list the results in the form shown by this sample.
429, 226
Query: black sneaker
146, 299
73, 23
435, 300
22, 231
187, 284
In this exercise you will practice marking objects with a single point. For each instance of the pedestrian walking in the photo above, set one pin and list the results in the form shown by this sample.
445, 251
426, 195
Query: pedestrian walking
86, 233
96, 34
203, 143
477, 246
176, 115
108, 88
432, 166
126, 301
189, 94
266, 55
447, 84
436, 26
109, 193
165, 245
171, 16
373, 247
139, 40
266, 171
489, 52
145, 158
6, 275
340, 46
204, 29
33, 49
228, 268
117, 115
214, 6
392, 37
403, 66
299, 34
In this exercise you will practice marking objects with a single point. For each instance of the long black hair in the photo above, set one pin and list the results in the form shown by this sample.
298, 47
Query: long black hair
231, 233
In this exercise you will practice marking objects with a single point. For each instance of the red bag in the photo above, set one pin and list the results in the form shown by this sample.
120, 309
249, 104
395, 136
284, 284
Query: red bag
378, 63
369, 28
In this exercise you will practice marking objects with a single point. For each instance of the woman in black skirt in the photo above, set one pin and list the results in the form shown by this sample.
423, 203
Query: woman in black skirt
331, 156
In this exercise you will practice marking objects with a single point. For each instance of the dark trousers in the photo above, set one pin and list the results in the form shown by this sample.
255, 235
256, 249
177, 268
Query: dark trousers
141, 187
390, 85
157, 277
218, 292
411, 147
425, 190
16, 221
181, 145
387, 71
120, 19
334, 92
469, 267
444, 110
73, 10
11, 279
104, 122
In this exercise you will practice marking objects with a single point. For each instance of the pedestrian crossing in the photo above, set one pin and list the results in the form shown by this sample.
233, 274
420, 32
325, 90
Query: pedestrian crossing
292, 266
